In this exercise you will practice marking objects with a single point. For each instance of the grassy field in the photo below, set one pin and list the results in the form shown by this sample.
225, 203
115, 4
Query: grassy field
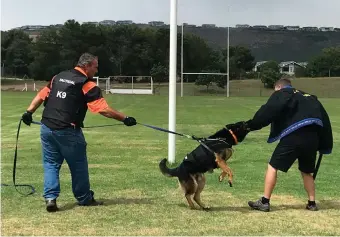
139, 200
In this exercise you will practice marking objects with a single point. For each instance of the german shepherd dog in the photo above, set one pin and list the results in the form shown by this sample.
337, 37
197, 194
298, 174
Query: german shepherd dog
191, 170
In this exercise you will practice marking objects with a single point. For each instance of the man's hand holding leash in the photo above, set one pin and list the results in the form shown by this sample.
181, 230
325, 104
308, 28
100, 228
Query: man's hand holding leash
27, 118
130, 121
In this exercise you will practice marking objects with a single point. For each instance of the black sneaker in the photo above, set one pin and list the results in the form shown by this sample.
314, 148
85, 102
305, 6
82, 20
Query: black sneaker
312, 207
93, 202
51, 205
258, 205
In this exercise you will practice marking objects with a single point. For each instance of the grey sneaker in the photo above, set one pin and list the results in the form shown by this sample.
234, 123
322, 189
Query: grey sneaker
258, 205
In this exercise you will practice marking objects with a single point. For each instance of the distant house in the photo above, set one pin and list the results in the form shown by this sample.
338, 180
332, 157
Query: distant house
91, 23
290, 67
310, 28
107, 22
276, 27
293, 28
255, 69
242, 26
125, 22
188, 25
326, 28
260, 27
208, 26
156, 23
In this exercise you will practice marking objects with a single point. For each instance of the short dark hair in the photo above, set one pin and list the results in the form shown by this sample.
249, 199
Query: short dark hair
86, 59
283, 82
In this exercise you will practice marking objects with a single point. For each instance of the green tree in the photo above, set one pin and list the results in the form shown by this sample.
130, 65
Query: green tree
269, 73
159, 73
240, 61
46, 53
325, 64
209, 79
16, 52
122, 50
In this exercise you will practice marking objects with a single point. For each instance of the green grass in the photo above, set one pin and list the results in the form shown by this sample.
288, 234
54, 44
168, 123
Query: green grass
123, 164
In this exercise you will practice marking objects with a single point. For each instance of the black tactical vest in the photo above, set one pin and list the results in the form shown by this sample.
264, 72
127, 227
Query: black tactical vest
66, 101
203, 159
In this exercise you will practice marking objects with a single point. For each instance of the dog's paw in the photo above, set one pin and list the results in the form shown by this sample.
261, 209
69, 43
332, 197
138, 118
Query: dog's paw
206, 208
230, 183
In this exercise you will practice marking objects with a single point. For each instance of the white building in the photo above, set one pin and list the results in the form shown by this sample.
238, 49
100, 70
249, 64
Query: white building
276, 27
107, 22
290, 67
156, 23
257, 65
326, 28
242, 26
125, 22
293, 28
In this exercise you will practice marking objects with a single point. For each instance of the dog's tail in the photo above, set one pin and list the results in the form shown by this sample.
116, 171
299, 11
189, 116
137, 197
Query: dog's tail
166, 170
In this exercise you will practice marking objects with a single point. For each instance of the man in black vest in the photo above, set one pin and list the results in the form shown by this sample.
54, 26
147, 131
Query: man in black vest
303, 127
66, 99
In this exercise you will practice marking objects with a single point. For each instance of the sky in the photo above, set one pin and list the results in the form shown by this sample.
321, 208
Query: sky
15, 13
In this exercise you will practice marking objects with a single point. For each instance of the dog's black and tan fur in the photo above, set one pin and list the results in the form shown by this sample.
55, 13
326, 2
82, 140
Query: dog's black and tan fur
190, 172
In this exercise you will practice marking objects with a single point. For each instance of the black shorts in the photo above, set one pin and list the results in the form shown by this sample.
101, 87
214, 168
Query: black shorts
302, 145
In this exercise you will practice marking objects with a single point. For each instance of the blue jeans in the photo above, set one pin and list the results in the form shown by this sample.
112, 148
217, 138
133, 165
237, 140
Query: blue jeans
68, 144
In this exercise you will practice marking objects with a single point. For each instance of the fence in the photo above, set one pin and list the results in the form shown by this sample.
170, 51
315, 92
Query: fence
322, 87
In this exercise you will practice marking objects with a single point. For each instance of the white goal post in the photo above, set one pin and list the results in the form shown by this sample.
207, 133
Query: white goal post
142, 85
26, 88
105, 81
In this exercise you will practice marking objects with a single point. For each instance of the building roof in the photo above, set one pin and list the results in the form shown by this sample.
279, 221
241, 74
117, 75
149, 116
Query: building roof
284, 64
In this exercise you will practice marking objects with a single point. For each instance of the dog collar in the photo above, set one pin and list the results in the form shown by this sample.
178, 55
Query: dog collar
235, 138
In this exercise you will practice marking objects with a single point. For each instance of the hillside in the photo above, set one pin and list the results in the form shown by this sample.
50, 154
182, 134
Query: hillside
270, 44
265, 44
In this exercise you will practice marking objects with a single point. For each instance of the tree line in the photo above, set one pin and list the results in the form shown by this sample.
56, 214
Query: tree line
132, 50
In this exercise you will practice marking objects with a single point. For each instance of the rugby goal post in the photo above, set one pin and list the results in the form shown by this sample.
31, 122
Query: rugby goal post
142, 85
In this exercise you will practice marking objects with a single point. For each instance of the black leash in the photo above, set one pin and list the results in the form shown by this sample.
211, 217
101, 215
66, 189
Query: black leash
15, 166
317, 166
200, 140
16, 157
95, 126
